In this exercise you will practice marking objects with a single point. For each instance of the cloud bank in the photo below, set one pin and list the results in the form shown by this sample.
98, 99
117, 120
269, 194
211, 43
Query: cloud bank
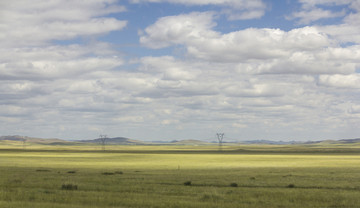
58, 79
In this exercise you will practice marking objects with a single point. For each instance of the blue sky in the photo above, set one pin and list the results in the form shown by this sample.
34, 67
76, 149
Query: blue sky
180, 69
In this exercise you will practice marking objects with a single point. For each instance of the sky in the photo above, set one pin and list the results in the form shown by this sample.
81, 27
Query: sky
180, 69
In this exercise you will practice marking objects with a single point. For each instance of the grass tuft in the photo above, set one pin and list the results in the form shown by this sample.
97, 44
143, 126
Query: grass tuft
107, 173
42, 170
291, 186
233, 185
69, 187
113, 173
187, 183
214, 197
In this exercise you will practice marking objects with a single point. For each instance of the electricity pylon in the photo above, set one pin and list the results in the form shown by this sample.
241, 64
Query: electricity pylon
220, 137
103, 138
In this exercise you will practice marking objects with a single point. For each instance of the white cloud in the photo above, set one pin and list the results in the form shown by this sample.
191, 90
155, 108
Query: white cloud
133, 119
311, 10
24, 24
303, 50
312, 3
256, 81
257, 44
299, 74
349, 30
169, 68
354, 109
341, 81
54, 62
234, 15
46, 84
355, 5
195, 30
15, 111
309, 16
179, 29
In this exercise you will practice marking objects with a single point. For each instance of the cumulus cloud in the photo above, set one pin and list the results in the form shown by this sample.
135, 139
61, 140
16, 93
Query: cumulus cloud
170, 68
54, 62
37, 23
341, 81
296, 72
196, 31
179, 29
348, 31
301, 50
28, 30
41, 80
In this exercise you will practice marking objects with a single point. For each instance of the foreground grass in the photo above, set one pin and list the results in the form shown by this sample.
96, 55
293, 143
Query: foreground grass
150, 179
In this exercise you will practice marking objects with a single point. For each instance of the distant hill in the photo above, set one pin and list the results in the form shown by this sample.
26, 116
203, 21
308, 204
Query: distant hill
127, 141
322, 142
269, 142
347, 141
188, 142
32, 139
341, 141
115, 140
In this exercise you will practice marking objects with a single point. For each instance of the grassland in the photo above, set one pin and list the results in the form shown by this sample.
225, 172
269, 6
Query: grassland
153, 176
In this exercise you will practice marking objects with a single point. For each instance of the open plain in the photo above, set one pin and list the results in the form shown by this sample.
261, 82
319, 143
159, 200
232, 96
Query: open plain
45, 176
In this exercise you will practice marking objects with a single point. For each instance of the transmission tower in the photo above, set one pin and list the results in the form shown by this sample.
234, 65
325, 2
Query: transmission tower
220, 137
103, 138
24, 142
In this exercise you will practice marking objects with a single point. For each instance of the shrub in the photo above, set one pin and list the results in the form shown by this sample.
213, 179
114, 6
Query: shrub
118, 172
48, 192
71, 171
187, 183
107, 173
211, 197
291, 186
42, 170
69, 187
234, 185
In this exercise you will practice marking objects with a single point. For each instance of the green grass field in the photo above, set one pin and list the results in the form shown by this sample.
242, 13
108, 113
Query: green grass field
153, 176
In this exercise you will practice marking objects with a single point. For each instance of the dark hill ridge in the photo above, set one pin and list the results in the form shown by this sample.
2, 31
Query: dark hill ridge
341, 141
115, 140
13, 138
32, 139
357, 140
269, 142
188, 142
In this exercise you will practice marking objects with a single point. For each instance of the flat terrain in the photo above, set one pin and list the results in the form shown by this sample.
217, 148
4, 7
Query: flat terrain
153, 176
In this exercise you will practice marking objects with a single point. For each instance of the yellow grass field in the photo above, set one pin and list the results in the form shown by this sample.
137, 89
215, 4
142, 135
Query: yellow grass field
178, 176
